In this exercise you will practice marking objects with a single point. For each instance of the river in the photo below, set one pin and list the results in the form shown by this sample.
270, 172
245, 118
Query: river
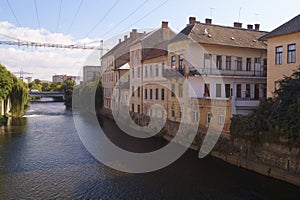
42, 157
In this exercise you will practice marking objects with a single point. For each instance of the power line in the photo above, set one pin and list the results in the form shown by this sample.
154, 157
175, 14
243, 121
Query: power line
75, 16
37, 14
125, 18
12, 11
58, 20
149, 13
102, 18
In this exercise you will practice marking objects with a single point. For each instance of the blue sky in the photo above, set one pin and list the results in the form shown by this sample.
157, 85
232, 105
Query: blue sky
99, 19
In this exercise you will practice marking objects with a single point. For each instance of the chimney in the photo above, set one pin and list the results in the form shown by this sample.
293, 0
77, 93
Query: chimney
237, 24
120, 40
133, 34
192, 20
250, 27
164, 24
125, 37
256, 27
208, 21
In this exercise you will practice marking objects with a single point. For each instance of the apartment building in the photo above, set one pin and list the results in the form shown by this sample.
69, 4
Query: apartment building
142, 65
89, 72
115, 64
220, 62
283, 52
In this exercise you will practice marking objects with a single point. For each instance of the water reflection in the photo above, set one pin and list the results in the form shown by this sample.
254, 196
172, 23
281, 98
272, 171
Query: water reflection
41, 157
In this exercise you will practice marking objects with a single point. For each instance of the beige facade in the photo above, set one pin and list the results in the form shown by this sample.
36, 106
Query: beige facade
276, 71
231, 66
139, 52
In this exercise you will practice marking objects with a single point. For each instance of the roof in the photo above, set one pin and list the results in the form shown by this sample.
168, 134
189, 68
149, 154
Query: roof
221, 35
157, 51
292, 26
122, 47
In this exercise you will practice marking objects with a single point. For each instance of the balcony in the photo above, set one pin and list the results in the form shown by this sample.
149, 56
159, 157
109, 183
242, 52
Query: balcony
223, 72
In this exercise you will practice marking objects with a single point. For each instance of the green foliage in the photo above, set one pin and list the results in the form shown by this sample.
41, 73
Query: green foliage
3, 120
19, 98
6, 82
279, 117
14, 89
67, 88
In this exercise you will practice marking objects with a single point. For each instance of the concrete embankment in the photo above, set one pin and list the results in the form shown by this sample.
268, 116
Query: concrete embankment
259, 168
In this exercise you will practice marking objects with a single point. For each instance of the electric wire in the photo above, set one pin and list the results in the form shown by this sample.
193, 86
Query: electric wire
133, 12
149, 13
37, 14
107, 13
58, 20
12, 11
75, 16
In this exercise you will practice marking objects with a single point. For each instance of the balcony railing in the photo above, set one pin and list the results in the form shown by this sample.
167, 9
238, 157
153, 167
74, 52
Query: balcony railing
224, 72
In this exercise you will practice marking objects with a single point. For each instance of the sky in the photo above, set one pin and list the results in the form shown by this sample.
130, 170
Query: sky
90, 21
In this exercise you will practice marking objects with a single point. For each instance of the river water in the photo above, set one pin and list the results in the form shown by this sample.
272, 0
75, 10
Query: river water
42, 157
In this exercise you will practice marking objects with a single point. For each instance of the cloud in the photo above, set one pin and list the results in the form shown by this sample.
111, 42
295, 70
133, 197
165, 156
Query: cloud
43, 62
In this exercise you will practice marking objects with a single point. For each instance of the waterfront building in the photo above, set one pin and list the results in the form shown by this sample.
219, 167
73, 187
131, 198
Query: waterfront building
148, 57
59, 78
283, 52
115, 64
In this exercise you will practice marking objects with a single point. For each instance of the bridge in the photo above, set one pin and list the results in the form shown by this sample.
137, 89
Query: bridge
56, 95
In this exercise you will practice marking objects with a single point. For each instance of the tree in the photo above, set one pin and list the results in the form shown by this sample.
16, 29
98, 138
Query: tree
288, 101
67, 88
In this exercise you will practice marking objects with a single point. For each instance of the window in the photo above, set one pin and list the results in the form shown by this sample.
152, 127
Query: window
218, 90
206, 90
146, 71
156, 69
238, 90
291, 53
228, 62
173, 90
173, 61
139, 91
156, 93
132, 107
132, 91
181, 66
248, 64
132, 73
239, 63
195, 116
146, 93
180, 114
139, 108
221, 119
278, 58
180, 90
219, 62
162, 68
227, 90
139, 72
150, 93
207, 61
151, 71
173, 111
208, 117
162, 94
248, 90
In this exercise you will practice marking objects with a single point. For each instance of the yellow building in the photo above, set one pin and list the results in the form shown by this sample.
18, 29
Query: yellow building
221, 63
283, 52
